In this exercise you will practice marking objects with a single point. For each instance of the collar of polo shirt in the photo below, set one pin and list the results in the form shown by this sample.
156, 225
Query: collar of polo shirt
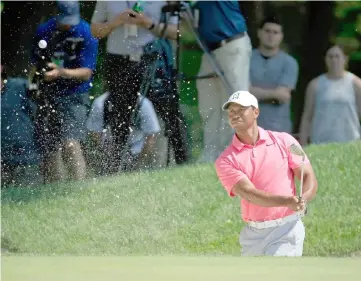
263, 137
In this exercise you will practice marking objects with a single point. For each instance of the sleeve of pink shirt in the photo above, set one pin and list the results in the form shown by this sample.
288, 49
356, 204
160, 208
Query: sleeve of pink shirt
294, 161
228, 174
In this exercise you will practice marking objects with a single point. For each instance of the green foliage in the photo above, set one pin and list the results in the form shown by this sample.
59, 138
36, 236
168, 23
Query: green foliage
349, 27
344, 8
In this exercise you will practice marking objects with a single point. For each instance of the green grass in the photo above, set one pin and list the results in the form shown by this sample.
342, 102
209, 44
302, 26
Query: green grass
178, 268
182, 211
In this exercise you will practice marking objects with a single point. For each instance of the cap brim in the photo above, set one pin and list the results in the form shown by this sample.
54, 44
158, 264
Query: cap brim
69, 20
226, 105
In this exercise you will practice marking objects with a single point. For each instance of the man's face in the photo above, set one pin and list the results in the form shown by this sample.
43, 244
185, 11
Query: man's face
335, 60
241, 117
271, 35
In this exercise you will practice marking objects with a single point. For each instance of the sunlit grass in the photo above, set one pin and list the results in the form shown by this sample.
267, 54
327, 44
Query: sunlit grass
181, 211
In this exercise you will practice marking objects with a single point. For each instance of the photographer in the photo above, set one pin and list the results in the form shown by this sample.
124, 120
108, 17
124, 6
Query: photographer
64, 98
223, 30
18, 153
124, 67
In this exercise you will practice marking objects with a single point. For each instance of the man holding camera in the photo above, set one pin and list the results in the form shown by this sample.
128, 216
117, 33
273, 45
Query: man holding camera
222, 28
125, 65
70, 60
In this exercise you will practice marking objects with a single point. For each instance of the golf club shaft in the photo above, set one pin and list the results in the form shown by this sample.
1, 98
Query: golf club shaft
301, 185
214, 63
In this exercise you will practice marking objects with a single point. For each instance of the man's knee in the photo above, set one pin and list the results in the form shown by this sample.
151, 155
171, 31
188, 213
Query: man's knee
72, 147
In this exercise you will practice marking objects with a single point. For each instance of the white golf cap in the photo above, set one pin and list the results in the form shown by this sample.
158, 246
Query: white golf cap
243, 98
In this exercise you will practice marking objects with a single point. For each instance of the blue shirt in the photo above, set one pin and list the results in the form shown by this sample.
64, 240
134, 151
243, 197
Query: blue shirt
73, 48
17, 127
219, 20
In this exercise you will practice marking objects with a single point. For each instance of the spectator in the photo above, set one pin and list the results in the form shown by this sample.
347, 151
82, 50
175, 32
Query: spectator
332, 110
273, 76
141, 141
223, 28
226, 37
123, 73
60, 124
17, 128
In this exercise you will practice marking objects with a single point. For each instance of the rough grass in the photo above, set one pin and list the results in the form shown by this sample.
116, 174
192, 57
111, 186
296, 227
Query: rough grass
182, 211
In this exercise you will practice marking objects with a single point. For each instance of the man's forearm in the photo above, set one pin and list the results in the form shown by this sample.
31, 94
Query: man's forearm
309, 188
101, 30
262, 198
280, 94
262, 94
83, 73
304, 131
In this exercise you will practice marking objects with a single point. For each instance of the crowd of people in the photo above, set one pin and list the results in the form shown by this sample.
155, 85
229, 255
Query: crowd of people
47, 125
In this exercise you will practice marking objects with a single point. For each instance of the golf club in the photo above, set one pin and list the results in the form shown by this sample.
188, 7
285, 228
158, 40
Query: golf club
296, 150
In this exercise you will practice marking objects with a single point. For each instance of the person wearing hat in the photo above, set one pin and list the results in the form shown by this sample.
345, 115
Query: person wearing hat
60, 126
258, 167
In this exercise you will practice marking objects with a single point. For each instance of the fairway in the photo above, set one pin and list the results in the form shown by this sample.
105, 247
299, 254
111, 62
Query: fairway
179, 268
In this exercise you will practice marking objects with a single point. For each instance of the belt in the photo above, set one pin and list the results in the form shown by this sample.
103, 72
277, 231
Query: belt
277, 222
214, 46
133, 57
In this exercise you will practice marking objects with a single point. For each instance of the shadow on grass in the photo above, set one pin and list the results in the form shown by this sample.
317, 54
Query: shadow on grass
25, 194
7, 246
20, 194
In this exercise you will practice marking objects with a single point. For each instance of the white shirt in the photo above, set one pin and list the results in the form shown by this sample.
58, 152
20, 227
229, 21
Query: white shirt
148, 124
117, 43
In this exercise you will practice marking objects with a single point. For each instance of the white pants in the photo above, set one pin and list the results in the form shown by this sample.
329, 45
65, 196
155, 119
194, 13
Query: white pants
283, 241
234, 59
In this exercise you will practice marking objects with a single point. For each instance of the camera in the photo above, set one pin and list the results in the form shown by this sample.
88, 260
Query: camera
37, 83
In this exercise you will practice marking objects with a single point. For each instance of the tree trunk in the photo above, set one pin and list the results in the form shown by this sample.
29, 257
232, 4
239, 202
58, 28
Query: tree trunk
253, 11
316, 39
19, 22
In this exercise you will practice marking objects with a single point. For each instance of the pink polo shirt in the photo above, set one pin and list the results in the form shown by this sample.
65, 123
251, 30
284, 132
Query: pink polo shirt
268, 165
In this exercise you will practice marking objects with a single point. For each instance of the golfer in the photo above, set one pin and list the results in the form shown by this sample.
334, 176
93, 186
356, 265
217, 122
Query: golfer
258, 167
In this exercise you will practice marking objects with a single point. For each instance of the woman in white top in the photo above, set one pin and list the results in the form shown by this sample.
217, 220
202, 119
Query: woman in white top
332, 110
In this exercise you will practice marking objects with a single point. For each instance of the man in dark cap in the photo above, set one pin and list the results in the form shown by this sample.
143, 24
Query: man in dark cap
67, 42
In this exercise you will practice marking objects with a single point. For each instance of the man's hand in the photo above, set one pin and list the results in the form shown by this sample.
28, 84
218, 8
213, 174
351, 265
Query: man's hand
296, 204
122, 18
138, 19
102, 29
52, 74
282, 94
